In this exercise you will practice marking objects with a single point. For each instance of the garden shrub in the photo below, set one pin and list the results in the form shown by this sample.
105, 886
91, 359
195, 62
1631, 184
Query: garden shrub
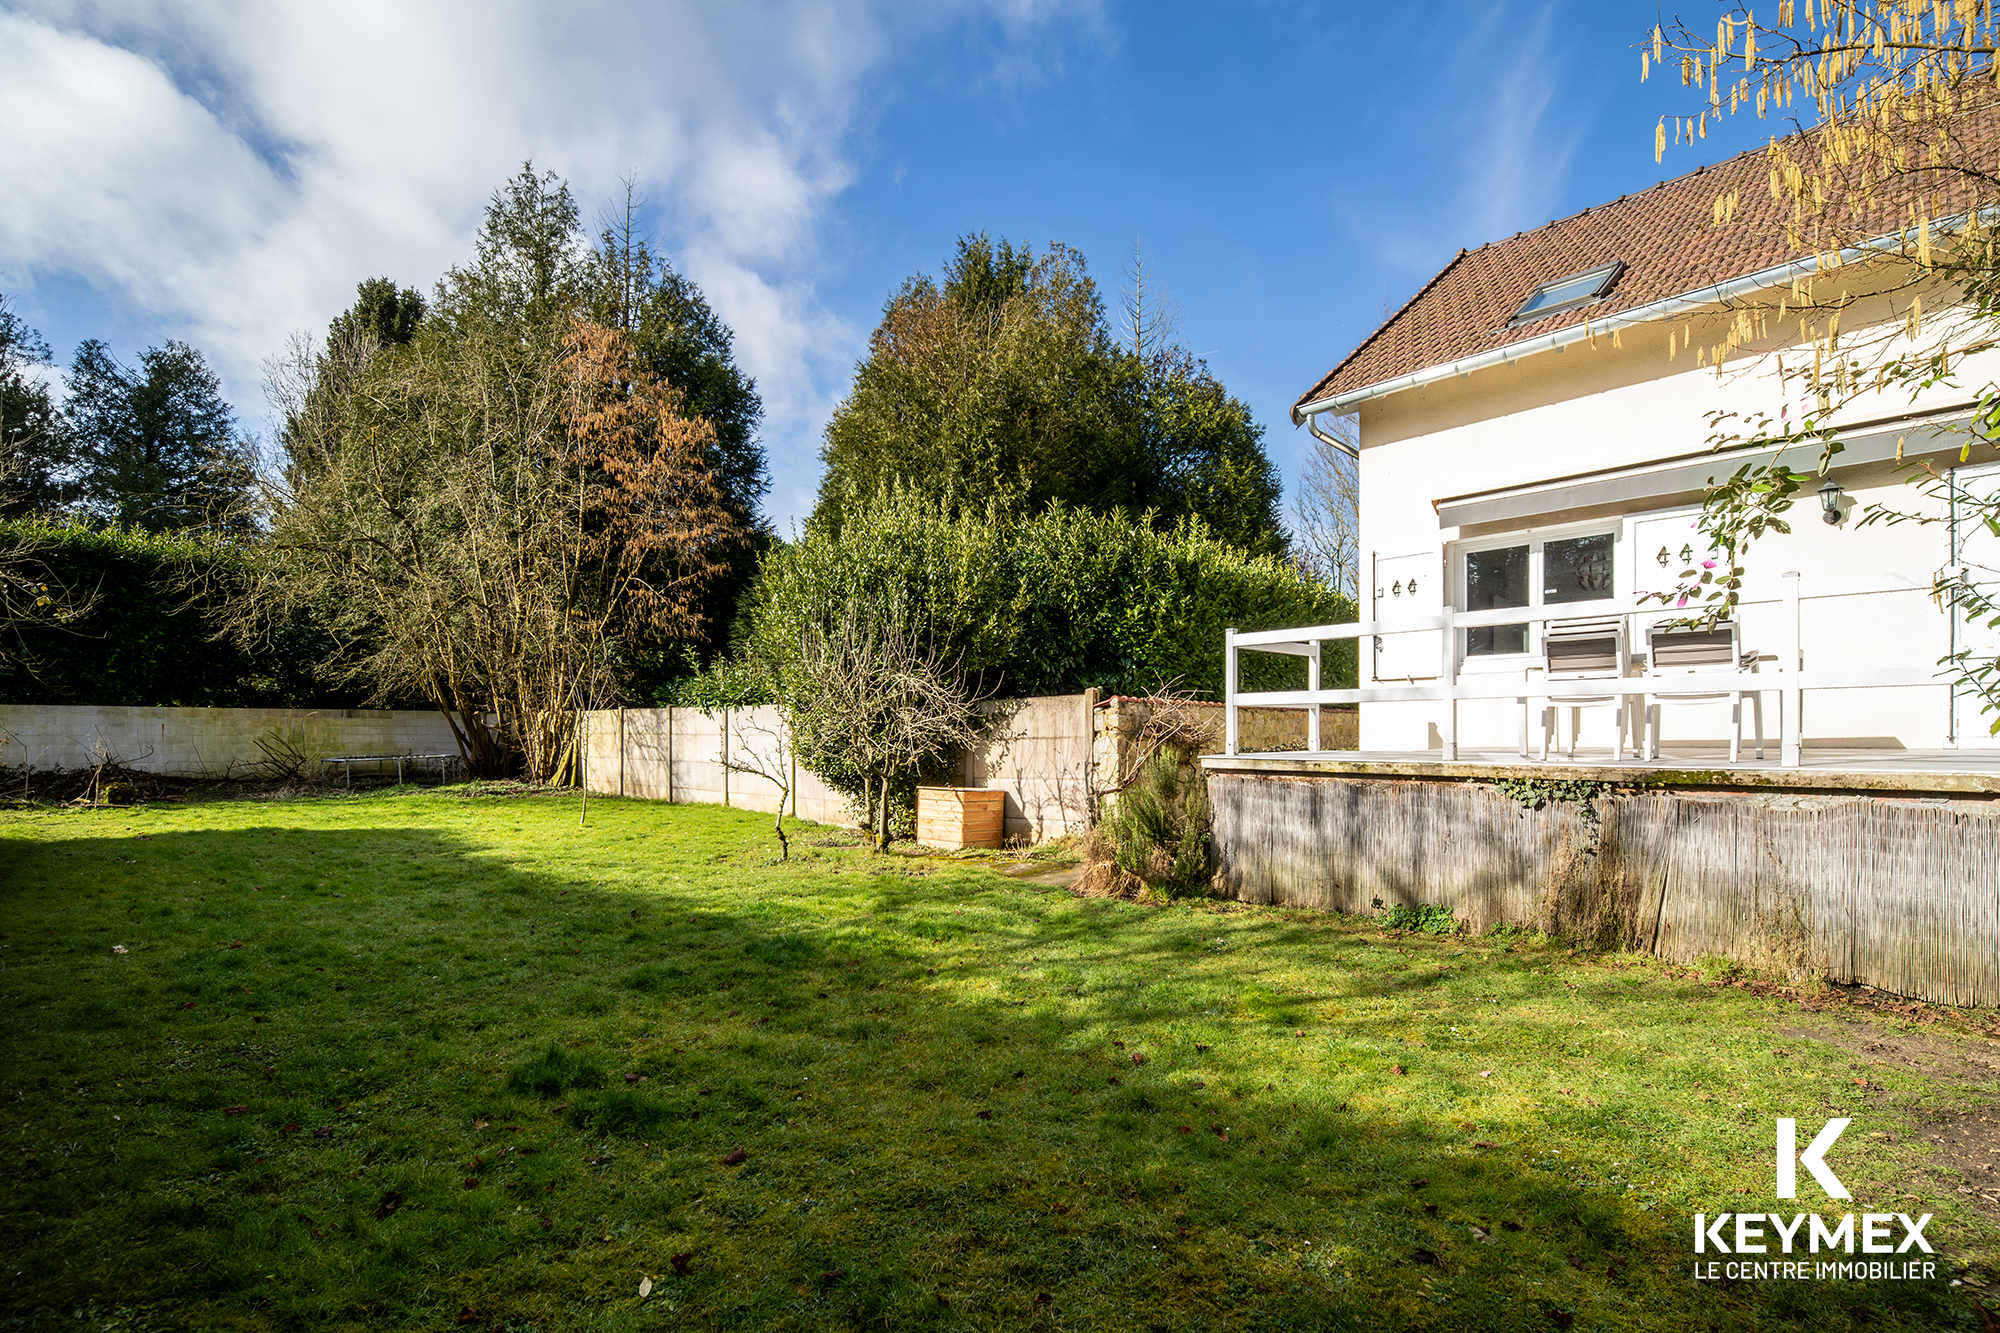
1429, 918
150, 630
1157, 833
1051, 603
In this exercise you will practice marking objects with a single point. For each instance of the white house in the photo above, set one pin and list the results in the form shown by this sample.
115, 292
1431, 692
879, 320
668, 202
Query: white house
1527, 440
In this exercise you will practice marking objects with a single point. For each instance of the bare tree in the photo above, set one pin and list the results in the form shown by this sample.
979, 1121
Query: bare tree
487, 516
768, 758
1326, 512
871, 698
1150, 318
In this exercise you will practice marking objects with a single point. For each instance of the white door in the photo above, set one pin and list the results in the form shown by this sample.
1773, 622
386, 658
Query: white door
1407, 585
1975, 554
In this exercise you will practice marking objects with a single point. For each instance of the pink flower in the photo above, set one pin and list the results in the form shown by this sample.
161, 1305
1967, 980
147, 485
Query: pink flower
1708, 564
1683, 601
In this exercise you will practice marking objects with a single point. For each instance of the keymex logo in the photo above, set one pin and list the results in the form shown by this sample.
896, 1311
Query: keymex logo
1745, 1233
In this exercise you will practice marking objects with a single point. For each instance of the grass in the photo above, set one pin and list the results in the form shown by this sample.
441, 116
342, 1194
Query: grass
411, 1060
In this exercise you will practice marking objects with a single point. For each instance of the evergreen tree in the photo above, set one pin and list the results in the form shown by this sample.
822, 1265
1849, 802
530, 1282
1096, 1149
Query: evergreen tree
33, 462
1003, 384
157, 447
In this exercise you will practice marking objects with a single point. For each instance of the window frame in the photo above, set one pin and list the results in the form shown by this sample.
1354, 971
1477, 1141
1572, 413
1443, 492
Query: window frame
1607, 276
1535, 539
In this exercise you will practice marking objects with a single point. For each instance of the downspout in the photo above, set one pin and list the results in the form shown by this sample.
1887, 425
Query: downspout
1312, 424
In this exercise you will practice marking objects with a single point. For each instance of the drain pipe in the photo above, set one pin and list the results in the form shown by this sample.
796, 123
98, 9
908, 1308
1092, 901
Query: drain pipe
1312, 424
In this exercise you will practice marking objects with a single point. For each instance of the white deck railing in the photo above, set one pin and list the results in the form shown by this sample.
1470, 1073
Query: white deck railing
1788, 681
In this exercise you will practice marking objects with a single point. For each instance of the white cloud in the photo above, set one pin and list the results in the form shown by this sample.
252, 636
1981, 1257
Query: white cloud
227, 171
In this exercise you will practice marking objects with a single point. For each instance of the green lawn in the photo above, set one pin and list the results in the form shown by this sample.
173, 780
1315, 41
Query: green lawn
413, 1060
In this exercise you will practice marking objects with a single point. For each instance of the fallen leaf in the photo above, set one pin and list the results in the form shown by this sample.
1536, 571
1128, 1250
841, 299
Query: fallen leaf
559, 1108
631, 1078
1119, 1044
1510, 1226
292, 1128
1481, 1143
832, 1275
477, 1123
1113, 1082
734, 1157
1020, 1073
188, 1005
1186, 1129
236, 944
389, 1204
645, 1283
1204, 1048
1419, 1183
119, 948
1486, 1073
1197, 1085
472, 1182
234, 1110
1300, 1033
1398, 1070
681, 1261
1138, 1059
1424, 1257
1431, 1208
985, 1115
1481, 1234
468, 1315
1561, 1318
1043, 1298
323, 1132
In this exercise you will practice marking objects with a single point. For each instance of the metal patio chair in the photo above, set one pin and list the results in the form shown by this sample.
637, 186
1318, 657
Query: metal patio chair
1585, 650
1679, 653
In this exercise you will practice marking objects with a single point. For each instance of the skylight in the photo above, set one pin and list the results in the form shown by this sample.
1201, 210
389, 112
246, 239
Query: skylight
1567, 293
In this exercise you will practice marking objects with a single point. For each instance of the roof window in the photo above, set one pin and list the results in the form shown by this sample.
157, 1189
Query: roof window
1578, 289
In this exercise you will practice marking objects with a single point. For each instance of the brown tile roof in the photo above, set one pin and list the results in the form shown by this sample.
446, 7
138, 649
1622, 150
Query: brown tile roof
1666, 237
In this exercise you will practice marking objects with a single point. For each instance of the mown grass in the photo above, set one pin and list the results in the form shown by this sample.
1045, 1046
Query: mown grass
417, 1061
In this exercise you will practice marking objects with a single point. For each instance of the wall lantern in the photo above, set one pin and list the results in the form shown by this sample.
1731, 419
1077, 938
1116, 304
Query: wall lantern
1829, 498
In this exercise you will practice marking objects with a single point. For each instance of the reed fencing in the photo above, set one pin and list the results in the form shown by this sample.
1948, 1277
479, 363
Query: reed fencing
1899, 894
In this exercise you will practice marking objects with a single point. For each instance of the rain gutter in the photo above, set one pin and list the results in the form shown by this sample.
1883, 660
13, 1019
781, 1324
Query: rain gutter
1721, 292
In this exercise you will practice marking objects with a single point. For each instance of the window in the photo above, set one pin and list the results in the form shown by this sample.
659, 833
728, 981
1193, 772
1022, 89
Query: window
1547, 571
1579, 289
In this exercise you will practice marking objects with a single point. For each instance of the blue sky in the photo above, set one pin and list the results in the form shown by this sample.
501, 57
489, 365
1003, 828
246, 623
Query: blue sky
225, 173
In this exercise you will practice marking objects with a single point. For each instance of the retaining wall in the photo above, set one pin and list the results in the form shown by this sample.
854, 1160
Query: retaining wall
1903, 894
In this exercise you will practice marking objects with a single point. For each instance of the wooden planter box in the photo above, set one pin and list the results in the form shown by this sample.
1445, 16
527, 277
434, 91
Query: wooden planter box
955, 817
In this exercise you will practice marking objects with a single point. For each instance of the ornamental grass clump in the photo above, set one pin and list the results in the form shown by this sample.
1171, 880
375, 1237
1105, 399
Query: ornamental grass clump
1155, 838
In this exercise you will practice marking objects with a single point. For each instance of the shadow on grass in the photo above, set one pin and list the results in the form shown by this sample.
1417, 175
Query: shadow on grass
392, 1077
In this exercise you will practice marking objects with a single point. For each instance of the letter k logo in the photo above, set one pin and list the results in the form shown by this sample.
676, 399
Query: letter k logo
1814, 1158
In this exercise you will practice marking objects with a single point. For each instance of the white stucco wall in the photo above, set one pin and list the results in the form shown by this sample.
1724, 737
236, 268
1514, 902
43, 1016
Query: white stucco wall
1588, 409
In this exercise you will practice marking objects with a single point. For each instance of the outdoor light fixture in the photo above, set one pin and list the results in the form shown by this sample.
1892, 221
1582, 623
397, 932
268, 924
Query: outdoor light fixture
1829, 498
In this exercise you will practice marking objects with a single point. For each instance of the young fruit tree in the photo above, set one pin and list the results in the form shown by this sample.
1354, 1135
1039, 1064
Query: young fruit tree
868, 698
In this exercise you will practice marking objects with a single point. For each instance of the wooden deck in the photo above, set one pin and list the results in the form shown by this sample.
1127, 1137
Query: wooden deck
1946, 772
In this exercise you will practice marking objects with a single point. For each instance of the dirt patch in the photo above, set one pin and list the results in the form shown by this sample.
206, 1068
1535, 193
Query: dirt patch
1965, 1155
1972, 1061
